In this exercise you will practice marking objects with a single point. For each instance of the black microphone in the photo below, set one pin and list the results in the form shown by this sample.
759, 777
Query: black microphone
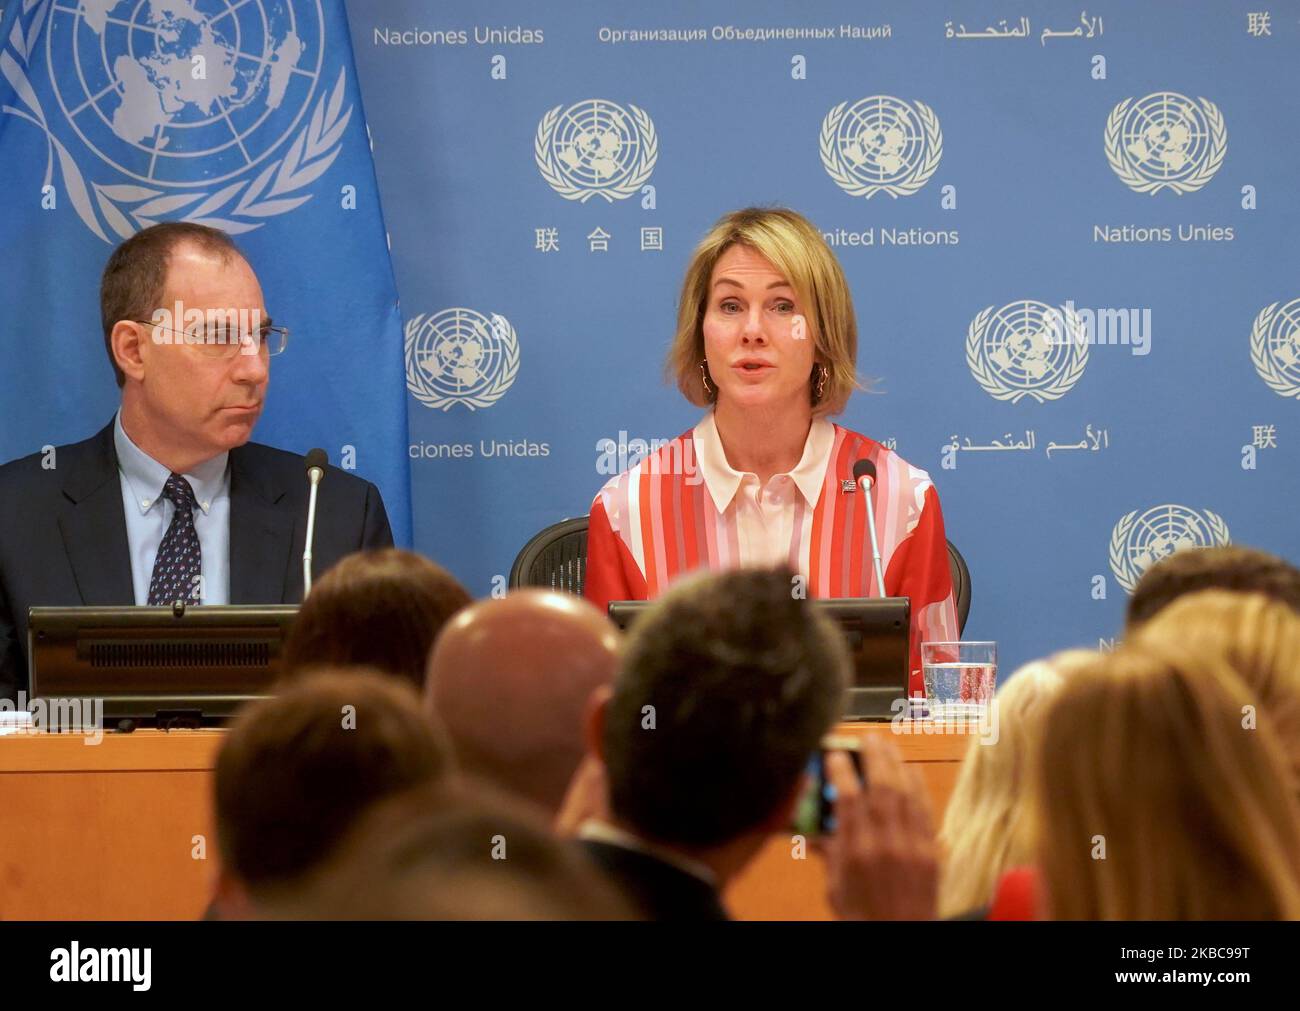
317, 461
864, 473
864, 468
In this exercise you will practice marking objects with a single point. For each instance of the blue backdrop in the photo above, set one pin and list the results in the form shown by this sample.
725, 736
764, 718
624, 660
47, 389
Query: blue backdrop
1032, 153
1070, 235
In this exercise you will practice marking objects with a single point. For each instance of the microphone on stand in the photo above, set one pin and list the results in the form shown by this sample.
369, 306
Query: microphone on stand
864, 473
317, 461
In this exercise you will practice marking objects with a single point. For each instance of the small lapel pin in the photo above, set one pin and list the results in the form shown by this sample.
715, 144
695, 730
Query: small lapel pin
848, 487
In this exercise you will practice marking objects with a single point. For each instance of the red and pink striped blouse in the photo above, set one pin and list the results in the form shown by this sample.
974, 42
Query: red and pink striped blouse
684, 507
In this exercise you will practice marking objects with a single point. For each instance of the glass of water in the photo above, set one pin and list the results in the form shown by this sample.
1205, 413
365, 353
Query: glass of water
960, 678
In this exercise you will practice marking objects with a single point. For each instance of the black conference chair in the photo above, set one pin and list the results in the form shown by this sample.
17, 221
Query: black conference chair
556, 559
960, 585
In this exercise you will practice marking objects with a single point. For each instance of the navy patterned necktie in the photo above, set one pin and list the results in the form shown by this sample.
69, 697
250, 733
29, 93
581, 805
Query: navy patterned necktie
179, 559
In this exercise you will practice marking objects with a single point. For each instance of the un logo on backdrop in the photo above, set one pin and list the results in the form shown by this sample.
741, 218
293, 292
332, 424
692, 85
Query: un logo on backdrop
1165, 140
1026, 349
185, 105
460, 356
1275, 347
596, 148
1138, 542
881, 144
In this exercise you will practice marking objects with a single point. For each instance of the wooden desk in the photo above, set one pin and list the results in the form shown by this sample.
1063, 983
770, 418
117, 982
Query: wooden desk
107, 831
123, 829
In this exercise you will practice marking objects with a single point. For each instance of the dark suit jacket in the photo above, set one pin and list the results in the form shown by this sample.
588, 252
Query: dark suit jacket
63, 533
658, 890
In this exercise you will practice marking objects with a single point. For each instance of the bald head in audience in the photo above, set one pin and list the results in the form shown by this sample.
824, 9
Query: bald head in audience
509, 680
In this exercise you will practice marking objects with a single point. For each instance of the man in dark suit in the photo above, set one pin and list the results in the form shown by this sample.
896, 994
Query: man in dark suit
170, 500
726, 689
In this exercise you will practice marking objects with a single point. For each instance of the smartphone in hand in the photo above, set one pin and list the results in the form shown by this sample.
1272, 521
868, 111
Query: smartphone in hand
815, 813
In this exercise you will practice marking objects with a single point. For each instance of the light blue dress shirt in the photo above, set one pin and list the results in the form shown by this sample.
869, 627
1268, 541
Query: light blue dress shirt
148, 515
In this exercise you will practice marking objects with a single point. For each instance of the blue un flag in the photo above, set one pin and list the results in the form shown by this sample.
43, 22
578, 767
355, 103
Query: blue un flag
240, 114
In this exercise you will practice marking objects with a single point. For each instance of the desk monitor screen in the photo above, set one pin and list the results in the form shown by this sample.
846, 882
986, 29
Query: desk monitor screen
876, 630
161, 666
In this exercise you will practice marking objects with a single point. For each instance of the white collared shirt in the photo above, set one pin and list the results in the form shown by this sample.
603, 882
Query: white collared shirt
763, 515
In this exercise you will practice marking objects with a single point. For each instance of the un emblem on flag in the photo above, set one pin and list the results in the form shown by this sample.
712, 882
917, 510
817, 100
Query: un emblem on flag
460, 356
881, 144
1138, 542
1165, 140
1026, 349
205, 110
596, 148
1275, 347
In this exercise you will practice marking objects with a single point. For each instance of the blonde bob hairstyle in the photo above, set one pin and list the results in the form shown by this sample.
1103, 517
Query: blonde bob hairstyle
1258, 637
1154, 800
983, 833
795, 248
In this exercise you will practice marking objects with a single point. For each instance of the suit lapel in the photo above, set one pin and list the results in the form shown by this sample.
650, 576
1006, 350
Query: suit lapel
94, 529
261, 536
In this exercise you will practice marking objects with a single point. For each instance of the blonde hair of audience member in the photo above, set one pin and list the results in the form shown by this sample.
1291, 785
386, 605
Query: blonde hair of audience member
980, 832
1258, 637
1148, 756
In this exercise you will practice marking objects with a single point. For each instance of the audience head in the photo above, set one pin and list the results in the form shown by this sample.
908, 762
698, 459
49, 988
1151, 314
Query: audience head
1245, 570
453, 853
983, 822
1156, 799
509, 680
727, 685
297, 769
381, 609
1258, 637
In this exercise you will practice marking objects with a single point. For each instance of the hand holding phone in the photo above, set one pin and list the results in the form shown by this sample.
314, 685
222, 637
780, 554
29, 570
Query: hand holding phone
815, 813
882, 858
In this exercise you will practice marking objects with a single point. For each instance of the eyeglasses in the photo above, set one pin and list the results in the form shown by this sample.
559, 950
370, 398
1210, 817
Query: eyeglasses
221, 341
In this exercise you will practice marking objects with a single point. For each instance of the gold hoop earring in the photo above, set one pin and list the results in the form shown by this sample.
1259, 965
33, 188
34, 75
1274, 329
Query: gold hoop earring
821, 381
704, 378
